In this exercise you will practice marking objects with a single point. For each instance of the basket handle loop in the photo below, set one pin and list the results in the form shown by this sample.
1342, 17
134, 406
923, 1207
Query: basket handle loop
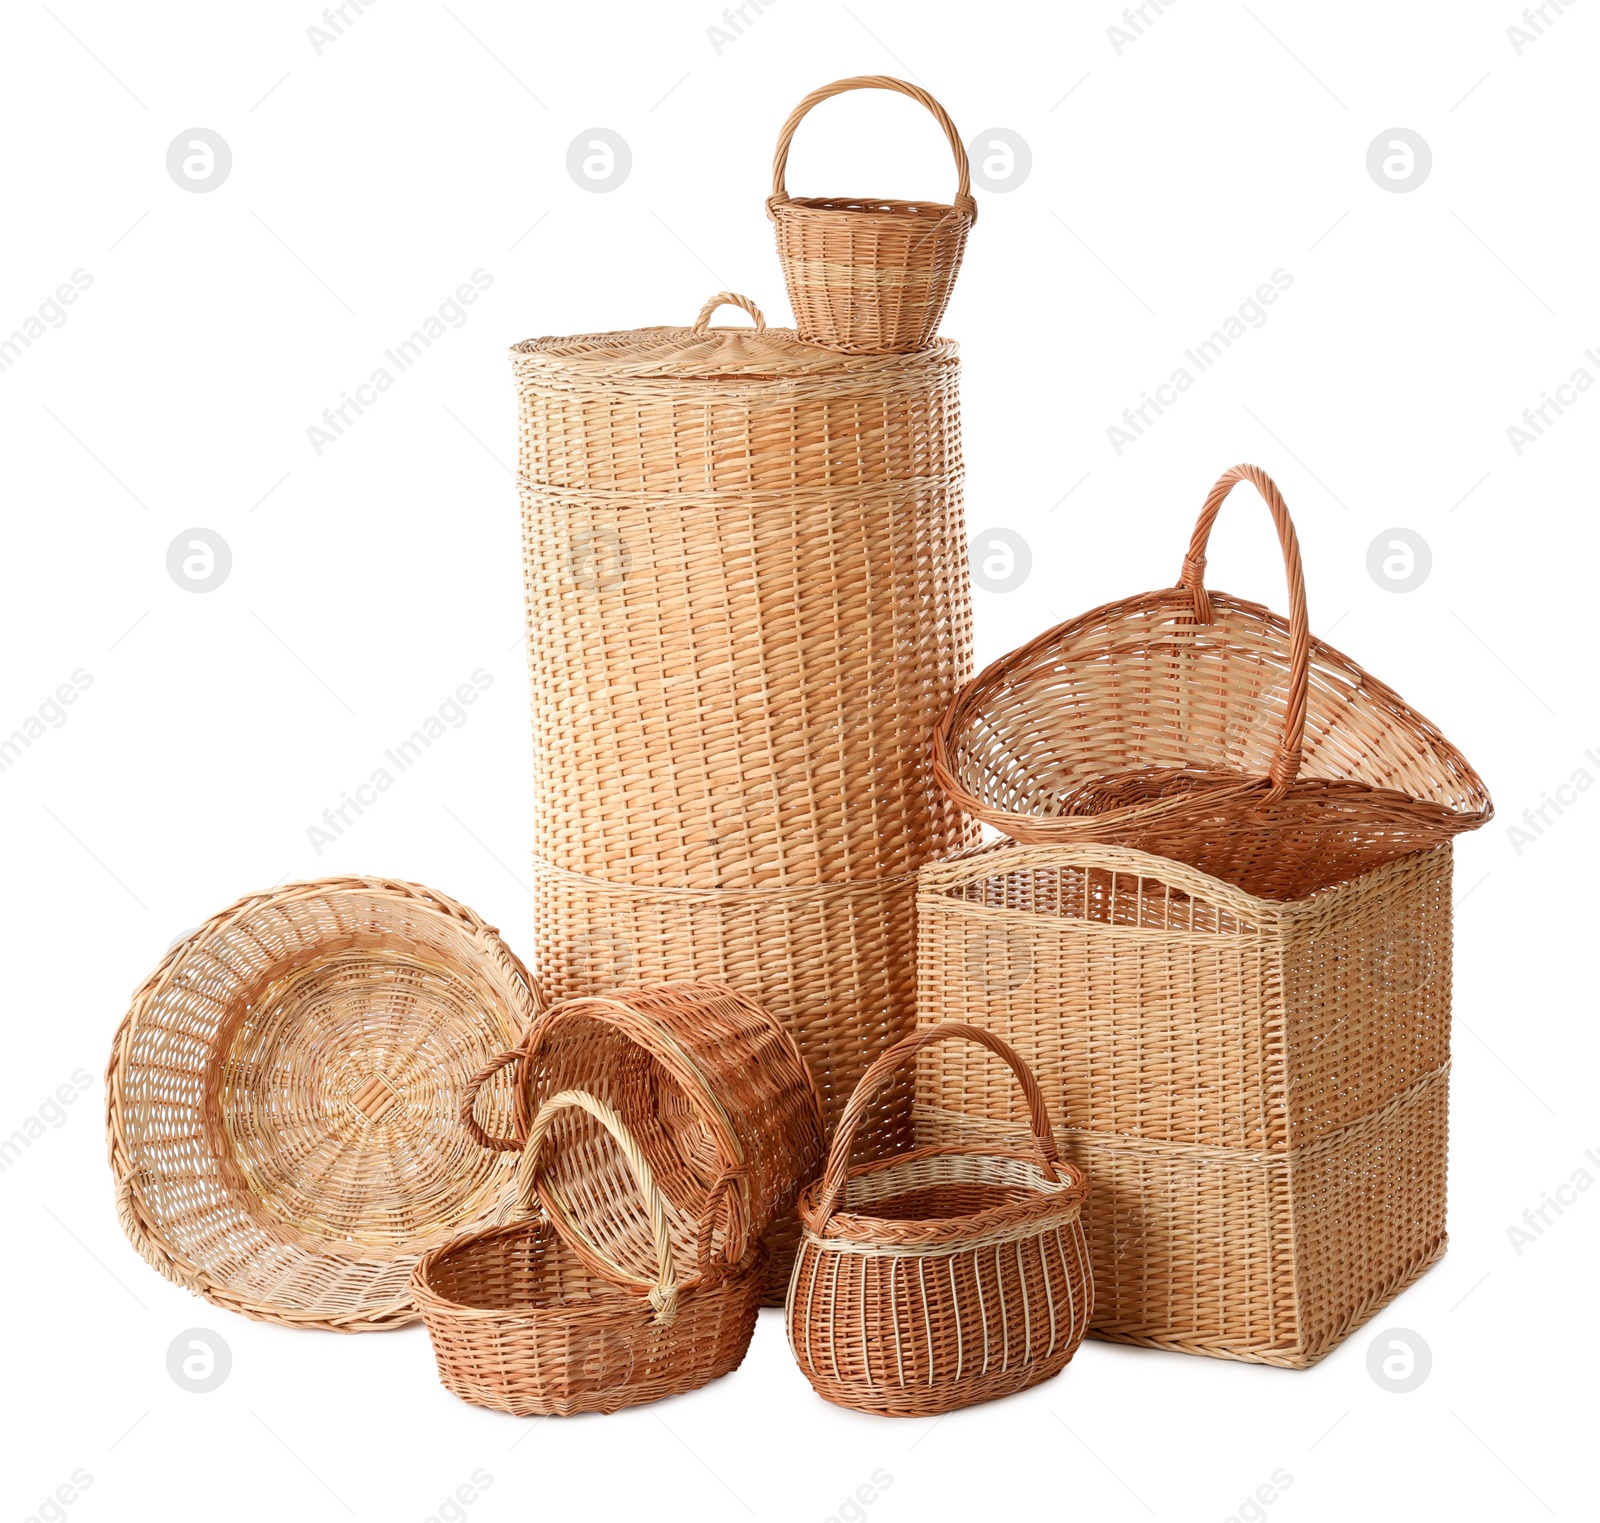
664, 1288
1286, 761
728, 299
833, 1179
469, 1104
780, 159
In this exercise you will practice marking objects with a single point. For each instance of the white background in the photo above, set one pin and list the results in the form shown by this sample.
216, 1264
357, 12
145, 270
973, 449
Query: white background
427, 142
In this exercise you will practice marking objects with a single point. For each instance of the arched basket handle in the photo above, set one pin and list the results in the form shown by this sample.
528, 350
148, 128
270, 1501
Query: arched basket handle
780, 159
469, 1104
833, 1178
1286, 760
728, 299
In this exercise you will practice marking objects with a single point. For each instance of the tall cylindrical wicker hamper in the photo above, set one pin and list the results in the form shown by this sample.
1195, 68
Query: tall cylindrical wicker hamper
747, 606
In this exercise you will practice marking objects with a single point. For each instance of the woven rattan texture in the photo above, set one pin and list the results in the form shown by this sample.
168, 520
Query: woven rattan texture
747, 605
1190, 724
943, 1277
866, 274
530, 1318
282, 1098
1255, 1088
710, 1086
835, 965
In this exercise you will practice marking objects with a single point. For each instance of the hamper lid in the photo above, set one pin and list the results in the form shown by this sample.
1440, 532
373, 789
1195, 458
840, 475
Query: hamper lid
701, 351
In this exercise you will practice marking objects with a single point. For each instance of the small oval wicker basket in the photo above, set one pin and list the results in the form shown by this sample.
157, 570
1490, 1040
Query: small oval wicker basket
715, 1092
523, 1320
281, 1100
1196, 726
947, 1276
866, 275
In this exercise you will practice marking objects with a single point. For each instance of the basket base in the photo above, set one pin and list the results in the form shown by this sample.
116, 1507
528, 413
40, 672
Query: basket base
932, 1400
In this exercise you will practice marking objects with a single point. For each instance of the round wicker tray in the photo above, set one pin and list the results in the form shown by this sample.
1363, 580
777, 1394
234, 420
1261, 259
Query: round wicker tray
282, 1098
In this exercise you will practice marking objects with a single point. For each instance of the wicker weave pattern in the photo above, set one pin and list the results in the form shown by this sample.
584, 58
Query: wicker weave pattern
1193, 725
713, 1090
1255, 1088
522, 1322
866, 274
747, 605
946, 1276
282, 1092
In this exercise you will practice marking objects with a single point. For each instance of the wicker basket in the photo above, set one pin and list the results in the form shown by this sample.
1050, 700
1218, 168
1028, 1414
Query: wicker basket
1190, 724
865, 275
282, 1095
1256, 1089
948, 1276
522, 1321
836, 966
747, 604
712, 1089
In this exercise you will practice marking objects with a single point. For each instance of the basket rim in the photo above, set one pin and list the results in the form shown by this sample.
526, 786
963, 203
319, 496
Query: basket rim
886, 209
969, 703
1045, 1206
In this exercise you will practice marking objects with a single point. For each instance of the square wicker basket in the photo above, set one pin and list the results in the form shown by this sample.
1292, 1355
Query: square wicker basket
1257, 1089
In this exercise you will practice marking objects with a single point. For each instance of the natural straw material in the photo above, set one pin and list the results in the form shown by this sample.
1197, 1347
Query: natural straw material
1193, 725
944, 1277
1256, 1089
282, 1098
747, 604
715, 1096
867, 275
834, 964
522, 1322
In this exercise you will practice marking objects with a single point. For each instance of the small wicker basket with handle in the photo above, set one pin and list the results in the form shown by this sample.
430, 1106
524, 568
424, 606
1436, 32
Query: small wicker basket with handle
943, 1277
1196, 726
867, 275
522, 1321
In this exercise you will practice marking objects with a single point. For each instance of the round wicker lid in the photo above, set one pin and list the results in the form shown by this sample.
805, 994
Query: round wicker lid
701, 352
282, 1097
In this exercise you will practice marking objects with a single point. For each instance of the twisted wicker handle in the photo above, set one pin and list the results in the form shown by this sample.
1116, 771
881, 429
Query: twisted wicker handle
664, 1288
728, 299
780, 160
469, 1104
833, 1179
1286, 761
